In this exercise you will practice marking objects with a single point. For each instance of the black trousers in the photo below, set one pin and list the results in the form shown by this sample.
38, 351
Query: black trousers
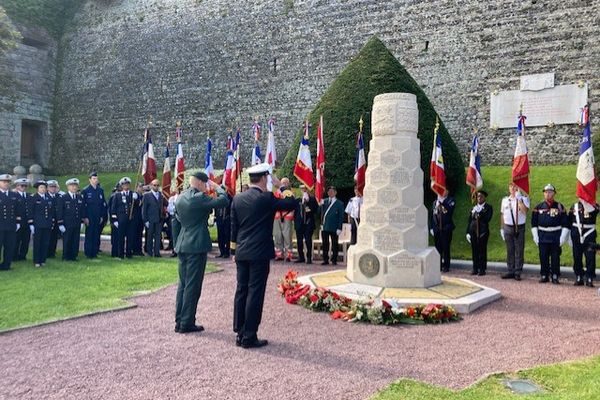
136, 239
354, 230
327, 237
53, 242
114, 241
91, 245
442, 240
8, 239
153, 238
479, 251
71, 243
22, 243
579, 250
303, 237
191, 275
224, 236
550, 258
41, 240
125, 239
249, 297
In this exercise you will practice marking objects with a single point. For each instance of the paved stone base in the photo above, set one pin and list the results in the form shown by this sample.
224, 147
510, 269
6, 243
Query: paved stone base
462, 294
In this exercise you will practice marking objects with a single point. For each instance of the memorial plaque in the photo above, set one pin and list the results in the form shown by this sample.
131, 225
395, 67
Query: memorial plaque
387, 196
403, 262
375, 215
390, 157
400, 177
402, 215
387, 239
369, 265
537, 81
379, 176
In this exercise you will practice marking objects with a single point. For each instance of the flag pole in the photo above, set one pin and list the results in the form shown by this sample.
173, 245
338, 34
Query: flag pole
139, 173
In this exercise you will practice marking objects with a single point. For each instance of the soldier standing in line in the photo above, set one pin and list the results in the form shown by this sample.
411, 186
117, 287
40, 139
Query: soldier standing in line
305, 224
44, 216
582, 219
70, 214
114, 231
11, 214
96, 211
442, 226
53, 195
153, 205
478, 232
223, 221
121, 217
550, 230
332, 219
24, 232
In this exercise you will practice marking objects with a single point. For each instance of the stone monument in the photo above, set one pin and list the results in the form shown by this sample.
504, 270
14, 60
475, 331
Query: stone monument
392, 246
35, 174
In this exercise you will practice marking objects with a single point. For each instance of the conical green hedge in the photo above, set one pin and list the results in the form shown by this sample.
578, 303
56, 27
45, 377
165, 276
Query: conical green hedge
374, 71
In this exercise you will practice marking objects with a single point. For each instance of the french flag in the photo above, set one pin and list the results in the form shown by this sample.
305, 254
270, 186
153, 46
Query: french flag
436, 167
271, 157
586, 174
166, 175
520, 168
320, 184
256, 156
303, 168
148, 160
179, 162
208, 161
474, 178
228, 164
360, 167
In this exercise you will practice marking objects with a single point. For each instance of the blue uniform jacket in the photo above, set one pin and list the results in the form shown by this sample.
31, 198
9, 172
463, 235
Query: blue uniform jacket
43, 211
549, 219
96, 208
11, 212
70, 212
441, 216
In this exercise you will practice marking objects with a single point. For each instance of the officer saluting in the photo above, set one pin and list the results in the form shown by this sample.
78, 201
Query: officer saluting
43, 215
252, 214
70, 214
10, 221
549, 227
478, 232
582, 219
96, 211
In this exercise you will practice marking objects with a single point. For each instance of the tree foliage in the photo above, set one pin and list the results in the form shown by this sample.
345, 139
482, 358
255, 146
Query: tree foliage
373, 71
9, 37
53, 15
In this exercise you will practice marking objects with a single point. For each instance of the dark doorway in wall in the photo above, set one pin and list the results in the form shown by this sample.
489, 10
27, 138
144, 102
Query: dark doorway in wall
33, 142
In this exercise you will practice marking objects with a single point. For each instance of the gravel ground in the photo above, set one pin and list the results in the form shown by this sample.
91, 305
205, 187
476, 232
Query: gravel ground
135, 354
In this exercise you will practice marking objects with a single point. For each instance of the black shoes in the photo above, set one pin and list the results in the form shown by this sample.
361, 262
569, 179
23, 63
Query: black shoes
555, 279
446, 269
254, 343
508, 275
299, 261
481, 273
474, 272
544, 279
188, 329
325, 263
579, 280
589, 282
309, 262
517, 277
238, 340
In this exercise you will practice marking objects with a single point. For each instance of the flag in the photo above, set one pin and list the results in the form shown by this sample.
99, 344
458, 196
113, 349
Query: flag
256, 130
360, 167
520, 168
148, 159
179, 161
586, 171
436, 167
208, 162
256, 156
236, 170
228, 165
474, 178
271, 154
166, 175
320, 163
303, 168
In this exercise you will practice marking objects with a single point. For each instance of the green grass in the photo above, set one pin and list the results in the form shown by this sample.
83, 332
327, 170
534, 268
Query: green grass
578, 380
29, 295
108, 180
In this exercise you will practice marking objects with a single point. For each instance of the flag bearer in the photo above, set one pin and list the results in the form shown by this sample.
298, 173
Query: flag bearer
583, 234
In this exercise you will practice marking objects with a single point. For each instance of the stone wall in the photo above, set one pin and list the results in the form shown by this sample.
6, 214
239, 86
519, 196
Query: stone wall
33, 66
216, 64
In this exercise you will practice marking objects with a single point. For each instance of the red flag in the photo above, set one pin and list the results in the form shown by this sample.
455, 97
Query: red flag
437, 172
520, 168
166, 175
148, 159
179, 161
360, 168
320, 165
236, 170
303, 168
229, 161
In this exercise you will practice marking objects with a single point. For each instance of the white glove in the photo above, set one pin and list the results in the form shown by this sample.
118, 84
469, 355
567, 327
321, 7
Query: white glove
32, 229
62, 229
147, 225
431, 232
564, 235
18, 226
536, 236
469, 237
116, 224
135, 196
502, 235
338, 232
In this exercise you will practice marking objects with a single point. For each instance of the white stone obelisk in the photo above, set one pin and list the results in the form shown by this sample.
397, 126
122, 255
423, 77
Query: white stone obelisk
392, 246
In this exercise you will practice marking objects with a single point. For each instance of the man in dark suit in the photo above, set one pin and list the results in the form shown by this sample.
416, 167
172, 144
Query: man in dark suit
304, 224
53, 195
332, 219
478, 232
153, 205
192, 243
43, 214
96, 210
223, 221
114, 230
252, 214
442, 226
70, 214
11, 215
24, 233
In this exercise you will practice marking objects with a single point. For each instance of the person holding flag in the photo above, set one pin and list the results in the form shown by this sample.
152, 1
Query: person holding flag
148, 159
474, 178
229, 161
583, 214
271, 157
166, 192
354, 205
179, 160
442, 223
320, 164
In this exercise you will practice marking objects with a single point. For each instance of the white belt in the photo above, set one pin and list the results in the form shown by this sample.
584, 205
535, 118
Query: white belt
586, 226
549, 228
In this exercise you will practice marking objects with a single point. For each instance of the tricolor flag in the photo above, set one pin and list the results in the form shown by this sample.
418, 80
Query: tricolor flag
320, 163
436, 167
236, 170
256, 156
520, 168
179, 161
166, 175
474, 178
256, 130
303, 168
586, 171
271, 154
208, 162
360, 168
148, 159
229, 162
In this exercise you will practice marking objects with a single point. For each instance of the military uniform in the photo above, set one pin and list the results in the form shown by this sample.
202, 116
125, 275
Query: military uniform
70, 214
332, 219
11, 215
252, 214
192, 243
54, 232
96, 211
114, 230
478, 231
137, 224
548, 222
43, 215
23, 234
442, 225
305, 226
583, 234
223, 221
122, 218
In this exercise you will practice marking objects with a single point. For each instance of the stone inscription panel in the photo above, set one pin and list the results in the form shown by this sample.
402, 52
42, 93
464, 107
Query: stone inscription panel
387, 240
402, 215
404, 262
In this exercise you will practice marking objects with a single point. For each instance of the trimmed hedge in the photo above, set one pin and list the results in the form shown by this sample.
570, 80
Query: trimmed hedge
373, 71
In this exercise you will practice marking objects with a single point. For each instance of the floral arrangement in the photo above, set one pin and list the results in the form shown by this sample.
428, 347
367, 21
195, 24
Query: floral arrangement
375, 311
